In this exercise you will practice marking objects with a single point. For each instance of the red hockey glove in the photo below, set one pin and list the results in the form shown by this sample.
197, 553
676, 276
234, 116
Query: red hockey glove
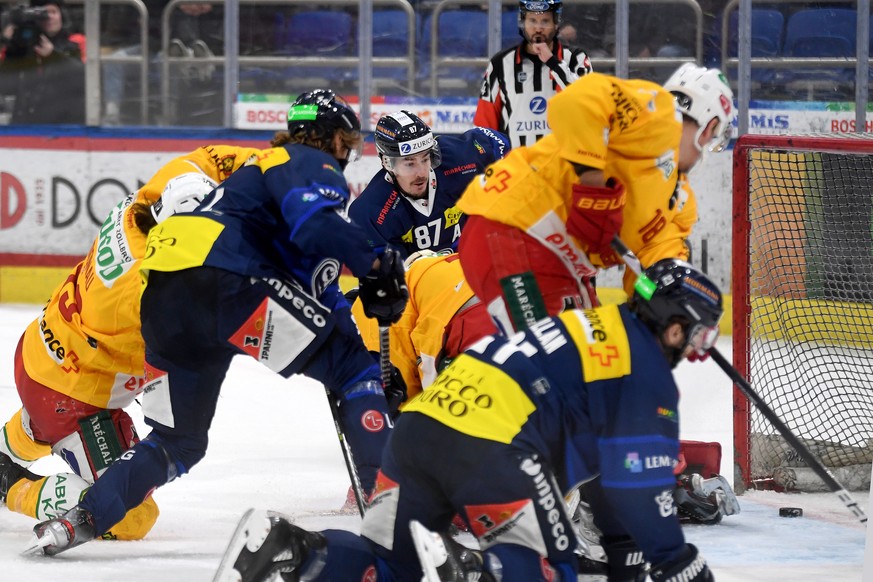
596, 215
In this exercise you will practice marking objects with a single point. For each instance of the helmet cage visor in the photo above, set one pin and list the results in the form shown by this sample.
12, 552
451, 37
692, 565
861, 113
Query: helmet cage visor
702, 337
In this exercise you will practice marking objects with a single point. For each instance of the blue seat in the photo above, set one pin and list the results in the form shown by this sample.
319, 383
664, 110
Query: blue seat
768, 32
822, 32
315, 33
460, 33
509, 29
391, 33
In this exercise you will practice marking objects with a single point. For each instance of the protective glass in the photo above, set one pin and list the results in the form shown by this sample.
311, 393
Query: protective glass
702, 337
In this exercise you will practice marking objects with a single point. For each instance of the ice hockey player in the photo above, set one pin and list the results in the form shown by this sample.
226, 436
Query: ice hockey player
441, 319
584, 397
82, 360
251, 272
542, 219
410, 202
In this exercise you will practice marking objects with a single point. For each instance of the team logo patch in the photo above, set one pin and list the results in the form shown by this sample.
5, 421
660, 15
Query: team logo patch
370, 574
372, 421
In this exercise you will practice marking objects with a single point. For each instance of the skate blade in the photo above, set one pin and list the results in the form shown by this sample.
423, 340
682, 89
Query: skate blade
430, 550
37, 543
253, 528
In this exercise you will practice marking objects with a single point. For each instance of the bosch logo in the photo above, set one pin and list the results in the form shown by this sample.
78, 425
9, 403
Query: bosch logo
538, 105
12, 200
725, 104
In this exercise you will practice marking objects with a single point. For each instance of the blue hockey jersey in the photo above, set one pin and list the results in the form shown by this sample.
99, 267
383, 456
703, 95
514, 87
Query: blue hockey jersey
281, 214
591, 393
389, 217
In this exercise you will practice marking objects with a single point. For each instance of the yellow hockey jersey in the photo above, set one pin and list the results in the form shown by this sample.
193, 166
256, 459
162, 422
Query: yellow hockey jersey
437, 291
631, 130
86, 343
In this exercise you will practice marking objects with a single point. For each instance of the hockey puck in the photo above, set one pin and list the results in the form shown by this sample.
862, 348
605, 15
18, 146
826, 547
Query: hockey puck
790, 512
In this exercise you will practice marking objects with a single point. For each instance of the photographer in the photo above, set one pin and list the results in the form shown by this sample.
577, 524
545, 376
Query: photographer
42, 65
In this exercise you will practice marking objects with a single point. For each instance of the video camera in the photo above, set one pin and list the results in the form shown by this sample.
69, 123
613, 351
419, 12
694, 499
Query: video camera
28, 23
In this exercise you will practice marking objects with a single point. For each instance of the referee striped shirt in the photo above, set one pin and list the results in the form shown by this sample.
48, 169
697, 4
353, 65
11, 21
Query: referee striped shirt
517, 85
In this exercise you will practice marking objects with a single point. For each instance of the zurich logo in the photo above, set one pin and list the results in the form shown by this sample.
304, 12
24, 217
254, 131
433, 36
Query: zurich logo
538, 105
405, 148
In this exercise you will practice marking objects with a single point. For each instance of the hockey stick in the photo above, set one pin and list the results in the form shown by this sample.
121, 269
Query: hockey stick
347, 453
814, 463
385, 355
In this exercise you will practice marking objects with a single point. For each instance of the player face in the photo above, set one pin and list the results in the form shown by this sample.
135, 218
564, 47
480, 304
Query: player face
539, 27
412, 173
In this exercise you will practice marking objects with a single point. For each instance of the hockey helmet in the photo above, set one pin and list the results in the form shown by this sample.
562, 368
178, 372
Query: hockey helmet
321, 113
675, 291
402, 134
703, 94
182, 194
525, 6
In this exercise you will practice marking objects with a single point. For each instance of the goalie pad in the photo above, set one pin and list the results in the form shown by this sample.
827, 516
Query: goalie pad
699, 457
705, 501
99, 440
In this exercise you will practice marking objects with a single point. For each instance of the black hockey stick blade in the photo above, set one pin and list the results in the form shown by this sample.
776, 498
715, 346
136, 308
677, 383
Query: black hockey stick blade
347, 453
633, 263
814, 463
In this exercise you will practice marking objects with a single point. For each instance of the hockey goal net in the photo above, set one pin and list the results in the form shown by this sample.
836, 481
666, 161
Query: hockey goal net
802, 283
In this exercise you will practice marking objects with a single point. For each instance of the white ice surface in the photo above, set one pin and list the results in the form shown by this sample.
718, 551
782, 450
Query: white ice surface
273, 445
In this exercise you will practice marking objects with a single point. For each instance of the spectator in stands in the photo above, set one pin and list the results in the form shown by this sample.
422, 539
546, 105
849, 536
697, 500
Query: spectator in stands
42, 65
188, 27
519, 80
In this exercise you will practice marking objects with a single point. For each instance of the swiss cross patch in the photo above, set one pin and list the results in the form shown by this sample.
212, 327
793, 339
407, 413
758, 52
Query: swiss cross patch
250, 336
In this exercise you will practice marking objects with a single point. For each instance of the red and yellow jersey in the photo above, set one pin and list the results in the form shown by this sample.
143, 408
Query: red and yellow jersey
86, 343
437, 291
629, 129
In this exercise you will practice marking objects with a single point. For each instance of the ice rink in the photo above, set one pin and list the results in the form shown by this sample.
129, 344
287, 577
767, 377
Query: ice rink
273, 445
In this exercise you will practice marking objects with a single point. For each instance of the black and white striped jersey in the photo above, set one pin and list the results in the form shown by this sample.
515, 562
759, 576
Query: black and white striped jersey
517, 85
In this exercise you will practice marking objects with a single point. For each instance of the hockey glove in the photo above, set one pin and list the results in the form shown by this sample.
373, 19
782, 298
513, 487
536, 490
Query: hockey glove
689, 566
395, 392
596, 216
383, 291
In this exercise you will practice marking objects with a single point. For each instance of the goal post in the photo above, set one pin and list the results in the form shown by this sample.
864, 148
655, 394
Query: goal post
802, 284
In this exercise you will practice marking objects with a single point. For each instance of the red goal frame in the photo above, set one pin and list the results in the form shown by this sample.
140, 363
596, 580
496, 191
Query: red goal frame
740, 260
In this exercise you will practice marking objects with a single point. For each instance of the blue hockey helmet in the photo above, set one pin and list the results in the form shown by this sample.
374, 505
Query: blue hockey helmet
675, 291
320, 114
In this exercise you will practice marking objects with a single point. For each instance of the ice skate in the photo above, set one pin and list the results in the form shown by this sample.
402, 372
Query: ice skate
445, 560
71, 529
267, 546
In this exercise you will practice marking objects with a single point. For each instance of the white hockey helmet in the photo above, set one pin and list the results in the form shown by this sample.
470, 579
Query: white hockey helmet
703, 94
182, 194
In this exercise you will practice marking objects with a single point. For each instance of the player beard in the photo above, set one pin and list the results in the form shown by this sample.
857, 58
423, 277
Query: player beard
417, 189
